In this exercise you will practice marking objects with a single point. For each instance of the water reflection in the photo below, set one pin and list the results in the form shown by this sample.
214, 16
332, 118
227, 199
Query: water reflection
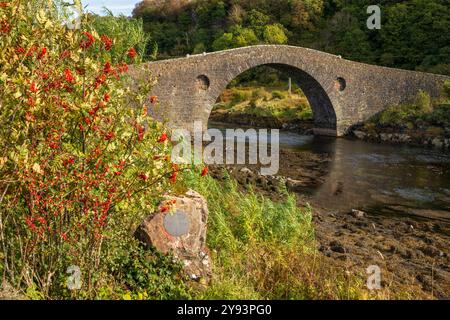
370, 175
374, 174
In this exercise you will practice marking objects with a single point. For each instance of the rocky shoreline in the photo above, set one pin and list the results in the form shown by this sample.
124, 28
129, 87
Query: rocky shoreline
411, 249
414, 139
391, 136
295, 125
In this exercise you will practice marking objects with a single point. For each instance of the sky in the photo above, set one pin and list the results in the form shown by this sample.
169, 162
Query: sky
116, 6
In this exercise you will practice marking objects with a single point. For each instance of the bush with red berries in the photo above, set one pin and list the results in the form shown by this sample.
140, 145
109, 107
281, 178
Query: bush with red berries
80, 159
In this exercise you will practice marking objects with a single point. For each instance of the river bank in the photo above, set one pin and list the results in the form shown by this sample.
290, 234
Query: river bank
411, 251
438, 139
424, 122
355, 230
432, 138
259, 121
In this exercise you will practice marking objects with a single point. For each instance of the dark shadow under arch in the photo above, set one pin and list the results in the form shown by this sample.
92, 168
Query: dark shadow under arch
324, 114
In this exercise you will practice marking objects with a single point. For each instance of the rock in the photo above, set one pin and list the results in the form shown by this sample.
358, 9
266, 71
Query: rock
181, 232
431, 251
294, 184
246, 170
359, 134
447, 143
336, 246
385, 136
407, 254
337, 188
358, 213
393, 249
437, 143
403, 137
280, 179
427, 281
359, 244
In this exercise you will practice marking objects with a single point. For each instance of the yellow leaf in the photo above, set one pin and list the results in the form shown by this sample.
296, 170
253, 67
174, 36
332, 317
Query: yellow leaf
37, 168
126, 296
48, 24
41, 16
3, 161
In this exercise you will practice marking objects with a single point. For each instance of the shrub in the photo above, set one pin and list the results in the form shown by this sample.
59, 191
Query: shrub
435, 131
393, 116
145, 275
299, 92
241, 95
446, 91
422, 111
440, 116
261, 93
78, 166
279, 94
127, 33
370, 127
423, 102
305, 114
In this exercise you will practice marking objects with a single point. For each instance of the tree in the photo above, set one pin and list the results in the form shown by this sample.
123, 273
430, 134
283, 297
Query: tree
414, 33
355, 46
126, 32
274, 34
236, 14
238, 37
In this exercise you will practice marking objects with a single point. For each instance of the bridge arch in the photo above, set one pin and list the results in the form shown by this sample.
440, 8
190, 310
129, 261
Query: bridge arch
342, 93
321, 105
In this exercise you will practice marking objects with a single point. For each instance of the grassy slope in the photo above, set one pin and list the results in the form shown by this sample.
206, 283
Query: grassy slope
264, 102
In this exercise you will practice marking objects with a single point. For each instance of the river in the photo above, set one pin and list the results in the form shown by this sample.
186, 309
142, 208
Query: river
376, 178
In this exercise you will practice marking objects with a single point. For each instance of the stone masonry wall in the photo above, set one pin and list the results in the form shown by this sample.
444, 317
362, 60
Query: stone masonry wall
341, 92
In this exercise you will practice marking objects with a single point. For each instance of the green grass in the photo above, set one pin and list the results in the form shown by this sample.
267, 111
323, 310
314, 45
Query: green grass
265, 102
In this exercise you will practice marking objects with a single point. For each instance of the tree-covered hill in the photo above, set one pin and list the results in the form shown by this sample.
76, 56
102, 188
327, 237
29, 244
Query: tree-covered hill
414, 33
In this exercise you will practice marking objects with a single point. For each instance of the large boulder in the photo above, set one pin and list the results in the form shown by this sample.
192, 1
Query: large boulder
179, 228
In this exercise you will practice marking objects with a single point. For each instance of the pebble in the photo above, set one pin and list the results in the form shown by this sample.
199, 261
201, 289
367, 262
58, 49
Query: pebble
358, 213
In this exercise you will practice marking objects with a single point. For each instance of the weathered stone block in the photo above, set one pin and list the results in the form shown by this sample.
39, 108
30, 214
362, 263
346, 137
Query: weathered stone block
180, 231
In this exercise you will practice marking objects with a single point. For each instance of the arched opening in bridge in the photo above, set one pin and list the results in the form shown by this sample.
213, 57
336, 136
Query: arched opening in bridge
277, 96
274, 96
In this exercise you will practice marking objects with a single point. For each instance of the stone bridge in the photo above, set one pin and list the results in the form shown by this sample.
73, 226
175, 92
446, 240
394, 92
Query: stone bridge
342, 93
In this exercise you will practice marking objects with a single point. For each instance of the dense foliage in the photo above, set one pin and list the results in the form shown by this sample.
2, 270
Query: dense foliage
78, 168
82, 163
414, 33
